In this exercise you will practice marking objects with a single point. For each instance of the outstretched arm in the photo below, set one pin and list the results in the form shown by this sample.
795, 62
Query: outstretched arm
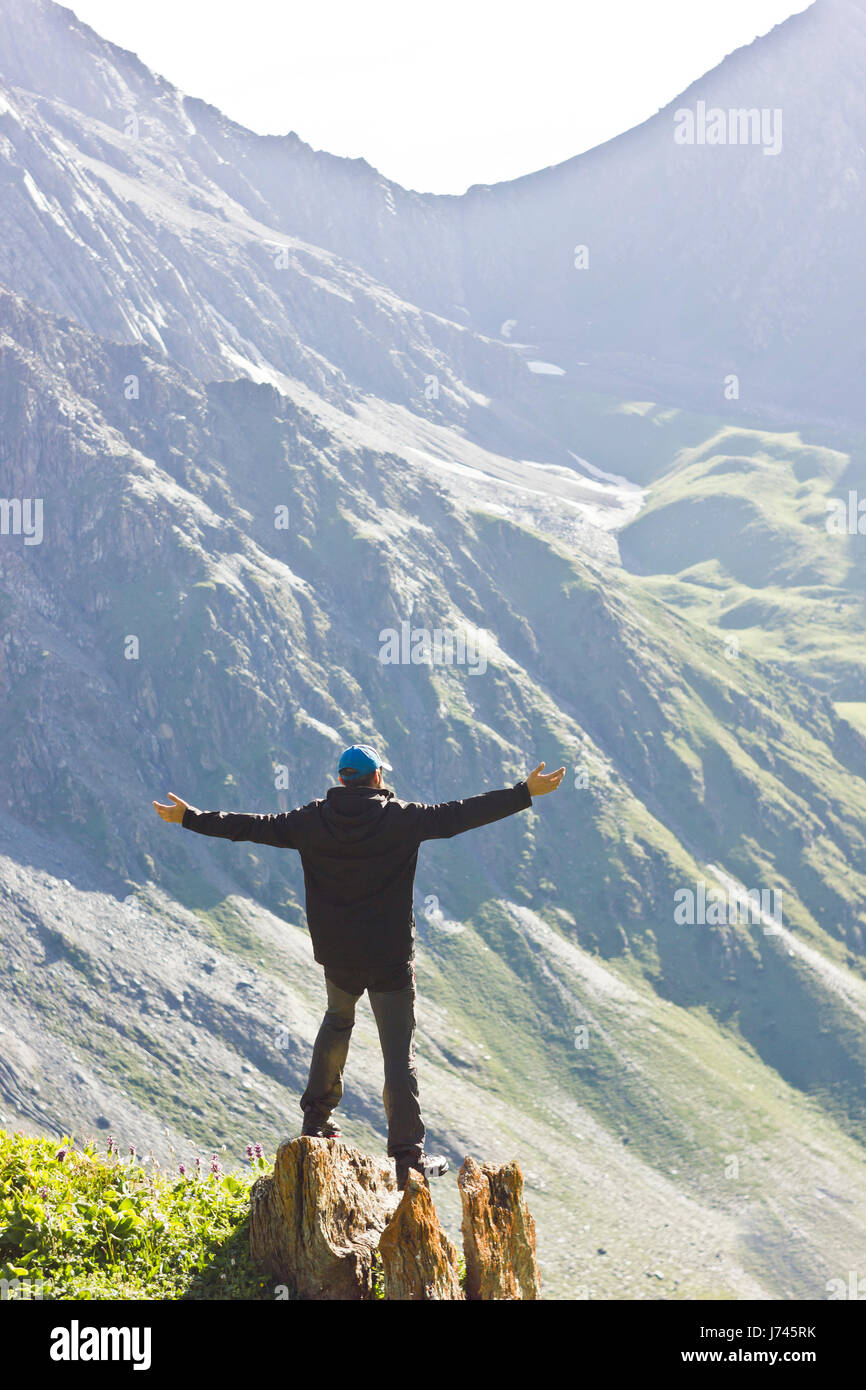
279, 830
449, 818
540, 782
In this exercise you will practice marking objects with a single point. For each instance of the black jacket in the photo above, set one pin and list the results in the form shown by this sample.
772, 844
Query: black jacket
359, 849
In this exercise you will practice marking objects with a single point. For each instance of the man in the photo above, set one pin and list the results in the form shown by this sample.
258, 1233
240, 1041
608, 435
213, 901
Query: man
359, 849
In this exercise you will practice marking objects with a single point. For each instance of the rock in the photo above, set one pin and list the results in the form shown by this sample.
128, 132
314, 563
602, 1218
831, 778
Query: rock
498, 1233
418, 1260
316, 1220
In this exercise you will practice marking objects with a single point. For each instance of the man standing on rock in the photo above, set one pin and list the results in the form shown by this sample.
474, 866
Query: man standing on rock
359, 849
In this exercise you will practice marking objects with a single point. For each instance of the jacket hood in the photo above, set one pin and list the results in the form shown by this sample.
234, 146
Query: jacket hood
354, 813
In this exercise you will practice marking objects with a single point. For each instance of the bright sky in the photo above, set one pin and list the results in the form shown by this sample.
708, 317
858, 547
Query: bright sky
440, 95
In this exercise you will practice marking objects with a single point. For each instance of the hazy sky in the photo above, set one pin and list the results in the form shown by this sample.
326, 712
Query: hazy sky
437, 96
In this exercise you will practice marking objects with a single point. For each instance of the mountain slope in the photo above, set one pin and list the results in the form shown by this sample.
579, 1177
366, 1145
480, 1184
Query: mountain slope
258, 652
252, 469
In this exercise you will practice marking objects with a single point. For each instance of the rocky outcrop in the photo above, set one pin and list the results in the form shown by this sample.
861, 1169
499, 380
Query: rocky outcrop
498, 1233
316, 1220
419, 1262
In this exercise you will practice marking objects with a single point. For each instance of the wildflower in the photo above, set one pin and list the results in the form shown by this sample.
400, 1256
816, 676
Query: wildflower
132, 1151
111, 1143
61, 1154
182, 1169
249, 1150
259, 1151
43, 1192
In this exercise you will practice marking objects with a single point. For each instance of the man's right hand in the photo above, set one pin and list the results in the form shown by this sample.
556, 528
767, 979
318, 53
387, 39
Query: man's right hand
540, 784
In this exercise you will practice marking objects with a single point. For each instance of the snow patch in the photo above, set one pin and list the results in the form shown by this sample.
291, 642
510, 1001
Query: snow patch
54, 211
181, 111
261, 373
39, 198
436, 919
546, 368
614, 478
330, 287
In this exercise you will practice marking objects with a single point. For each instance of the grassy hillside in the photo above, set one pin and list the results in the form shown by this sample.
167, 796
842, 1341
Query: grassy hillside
735, 534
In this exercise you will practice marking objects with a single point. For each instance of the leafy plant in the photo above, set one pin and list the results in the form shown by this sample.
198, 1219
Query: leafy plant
79, 1224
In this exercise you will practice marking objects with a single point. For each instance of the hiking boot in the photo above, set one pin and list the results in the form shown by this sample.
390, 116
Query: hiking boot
426, 1167
314, 1129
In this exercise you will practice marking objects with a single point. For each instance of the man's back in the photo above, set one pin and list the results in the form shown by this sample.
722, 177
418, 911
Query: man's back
359, 850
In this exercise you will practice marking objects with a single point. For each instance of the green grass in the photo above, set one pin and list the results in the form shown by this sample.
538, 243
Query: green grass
88, 1225
230, 931
733, 533
78, 1224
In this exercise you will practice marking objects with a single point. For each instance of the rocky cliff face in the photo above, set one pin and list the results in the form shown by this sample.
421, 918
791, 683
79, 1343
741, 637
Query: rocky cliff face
203, 613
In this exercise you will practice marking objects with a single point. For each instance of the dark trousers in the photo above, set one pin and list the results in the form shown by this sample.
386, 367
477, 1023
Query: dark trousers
392, 999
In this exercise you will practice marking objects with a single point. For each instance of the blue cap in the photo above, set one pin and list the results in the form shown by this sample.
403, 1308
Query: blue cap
359, 760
